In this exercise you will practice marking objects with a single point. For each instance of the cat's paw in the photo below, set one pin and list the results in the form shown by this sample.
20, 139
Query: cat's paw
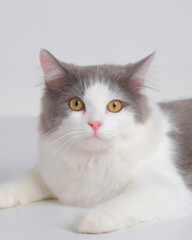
97, 221
10, 197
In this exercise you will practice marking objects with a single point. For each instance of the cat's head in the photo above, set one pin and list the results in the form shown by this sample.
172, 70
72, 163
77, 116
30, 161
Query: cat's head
92, 106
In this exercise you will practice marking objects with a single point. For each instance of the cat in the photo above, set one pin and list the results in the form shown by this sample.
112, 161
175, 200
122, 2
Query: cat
105, 146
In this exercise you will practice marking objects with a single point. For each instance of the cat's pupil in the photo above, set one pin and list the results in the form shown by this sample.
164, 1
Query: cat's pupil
76, 103
114, 105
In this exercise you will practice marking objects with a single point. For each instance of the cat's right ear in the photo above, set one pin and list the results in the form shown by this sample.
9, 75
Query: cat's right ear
137, 73
54, 73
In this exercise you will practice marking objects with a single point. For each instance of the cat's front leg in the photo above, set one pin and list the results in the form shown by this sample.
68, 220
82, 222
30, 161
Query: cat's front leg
28, 188
140, 203
100, 220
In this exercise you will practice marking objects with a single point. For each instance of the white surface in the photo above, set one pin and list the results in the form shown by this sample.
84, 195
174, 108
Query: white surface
91, 32
49, 219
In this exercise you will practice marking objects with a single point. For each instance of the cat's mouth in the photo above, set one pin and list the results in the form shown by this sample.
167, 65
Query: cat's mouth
94, 136
94, 143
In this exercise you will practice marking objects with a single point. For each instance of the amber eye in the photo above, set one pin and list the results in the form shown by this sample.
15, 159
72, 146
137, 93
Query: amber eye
114, 106
76, 104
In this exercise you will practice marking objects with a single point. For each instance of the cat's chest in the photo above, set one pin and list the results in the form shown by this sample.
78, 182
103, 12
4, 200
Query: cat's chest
84, 179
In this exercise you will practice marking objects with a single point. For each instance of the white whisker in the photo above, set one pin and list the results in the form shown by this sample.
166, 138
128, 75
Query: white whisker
61, 146
57, 139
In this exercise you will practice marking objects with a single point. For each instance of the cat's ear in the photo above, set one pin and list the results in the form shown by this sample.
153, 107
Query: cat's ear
54, 74
137, 73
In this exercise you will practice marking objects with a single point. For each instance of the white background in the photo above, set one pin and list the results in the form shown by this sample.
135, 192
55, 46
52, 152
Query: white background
92, 32
82, 32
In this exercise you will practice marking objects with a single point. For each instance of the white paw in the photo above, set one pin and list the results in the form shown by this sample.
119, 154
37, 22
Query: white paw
97, 221
10, 197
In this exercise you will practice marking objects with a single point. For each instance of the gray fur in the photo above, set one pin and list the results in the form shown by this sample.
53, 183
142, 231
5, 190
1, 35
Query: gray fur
180, 113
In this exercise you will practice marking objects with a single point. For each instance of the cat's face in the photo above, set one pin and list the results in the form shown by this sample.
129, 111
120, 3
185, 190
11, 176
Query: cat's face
91, 107
100, 120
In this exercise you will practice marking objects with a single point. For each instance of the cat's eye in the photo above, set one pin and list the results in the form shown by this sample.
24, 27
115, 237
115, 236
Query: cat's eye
114, 106
76, 104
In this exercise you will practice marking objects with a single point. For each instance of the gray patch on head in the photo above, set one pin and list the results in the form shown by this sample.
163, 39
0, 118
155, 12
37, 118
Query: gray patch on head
55, 101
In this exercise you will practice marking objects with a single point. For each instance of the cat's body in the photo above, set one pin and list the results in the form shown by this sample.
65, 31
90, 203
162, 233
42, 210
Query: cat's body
132, 165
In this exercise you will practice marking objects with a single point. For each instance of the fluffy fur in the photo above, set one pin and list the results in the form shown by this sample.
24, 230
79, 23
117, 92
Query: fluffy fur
132, 171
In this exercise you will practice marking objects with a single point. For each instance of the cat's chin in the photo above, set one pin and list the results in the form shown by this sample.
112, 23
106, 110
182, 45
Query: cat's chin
94, 143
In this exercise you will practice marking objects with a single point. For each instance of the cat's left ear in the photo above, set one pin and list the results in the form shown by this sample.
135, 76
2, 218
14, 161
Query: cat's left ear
54, 74
137, 73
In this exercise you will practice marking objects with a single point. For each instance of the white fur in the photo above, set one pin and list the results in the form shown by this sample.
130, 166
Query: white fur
127, 173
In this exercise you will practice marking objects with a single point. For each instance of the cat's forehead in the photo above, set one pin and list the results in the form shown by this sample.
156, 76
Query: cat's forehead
98, 91
93, 82
98, 71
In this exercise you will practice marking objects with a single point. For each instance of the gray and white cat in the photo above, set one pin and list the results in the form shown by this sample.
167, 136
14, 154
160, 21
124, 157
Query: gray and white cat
104, 145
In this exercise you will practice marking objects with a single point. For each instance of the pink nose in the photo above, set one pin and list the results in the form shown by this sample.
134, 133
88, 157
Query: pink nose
95, 125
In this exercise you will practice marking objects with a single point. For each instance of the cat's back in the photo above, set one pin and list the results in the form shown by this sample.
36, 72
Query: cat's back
180, 114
